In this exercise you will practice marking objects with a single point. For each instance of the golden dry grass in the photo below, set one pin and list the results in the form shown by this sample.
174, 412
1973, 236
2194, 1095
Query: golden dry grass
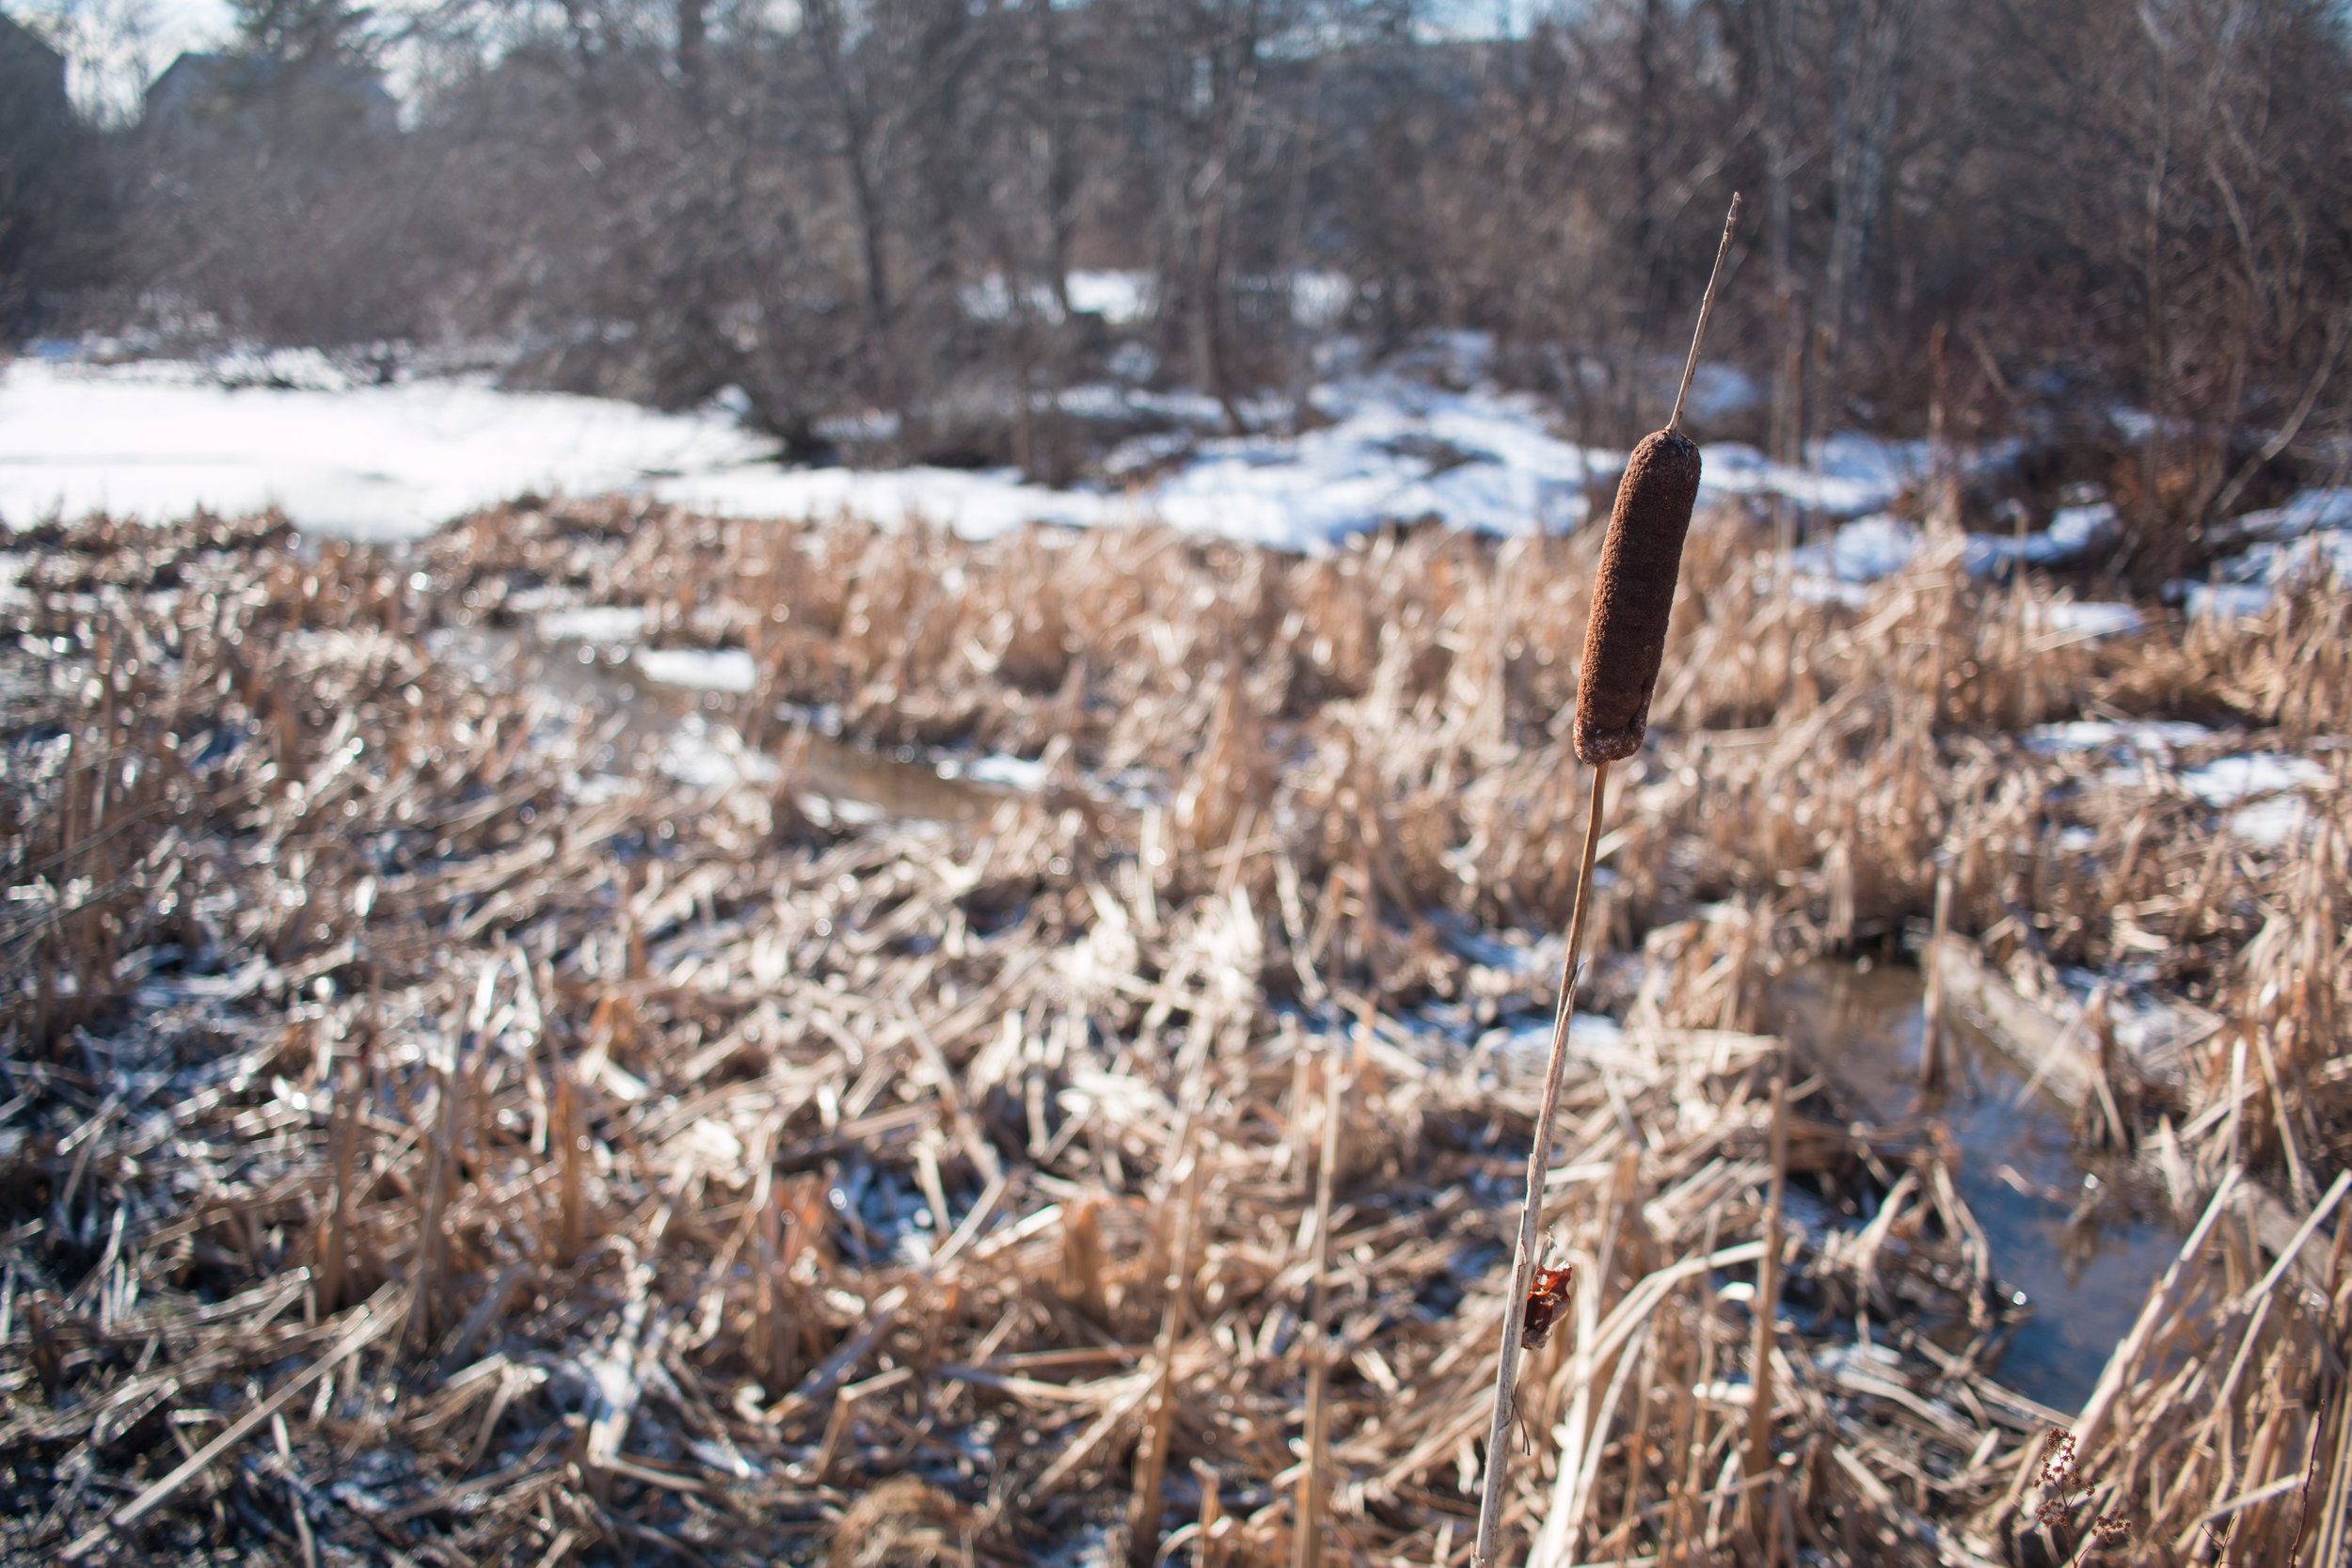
685, 1168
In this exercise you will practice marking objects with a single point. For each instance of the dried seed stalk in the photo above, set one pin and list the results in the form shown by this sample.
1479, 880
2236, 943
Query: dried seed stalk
1531, 1211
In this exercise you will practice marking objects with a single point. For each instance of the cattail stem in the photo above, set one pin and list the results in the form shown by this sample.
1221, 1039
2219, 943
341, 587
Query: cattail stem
1707, 305
1531, 1212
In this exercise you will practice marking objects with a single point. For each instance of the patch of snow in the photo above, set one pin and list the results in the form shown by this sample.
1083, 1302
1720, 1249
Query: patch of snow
1846, 475
2073, 531
2222, 601
1320, 300
2159, 736
1865, 550
1146, 452
704, 669
707, 757
1120, 298
2246, 583
2303, 513
1589, 1034
157, 440
1815, 590
2092, 621
2229, 779
2075, 528
1426, 437
976, 503
989, 299
998, 768
2273, 822
602, 623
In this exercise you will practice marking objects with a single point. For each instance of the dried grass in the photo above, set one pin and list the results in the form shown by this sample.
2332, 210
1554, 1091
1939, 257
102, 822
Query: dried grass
648, 1175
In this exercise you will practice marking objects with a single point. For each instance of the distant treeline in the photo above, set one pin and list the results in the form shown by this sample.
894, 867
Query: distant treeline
1956, 207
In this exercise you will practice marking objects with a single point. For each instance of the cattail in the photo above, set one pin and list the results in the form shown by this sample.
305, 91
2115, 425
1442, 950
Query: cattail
1640, 558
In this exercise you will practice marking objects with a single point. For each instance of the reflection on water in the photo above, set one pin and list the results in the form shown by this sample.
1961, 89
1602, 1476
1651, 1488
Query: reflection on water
2018, 1169
635, 714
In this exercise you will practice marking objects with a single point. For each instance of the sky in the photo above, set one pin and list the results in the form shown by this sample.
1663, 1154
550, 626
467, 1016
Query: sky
116, 46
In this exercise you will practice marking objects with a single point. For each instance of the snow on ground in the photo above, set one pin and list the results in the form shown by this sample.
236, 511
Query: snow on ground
2310, 533
709, 757
2087, 622
1427, 438
1877, 547
702, 669
2159, 737
2245, 584
2306, 513
602, 623
2073, 530
1847, 474
2229, 779
1864, 551
2263, 792
158, 439
1026, 774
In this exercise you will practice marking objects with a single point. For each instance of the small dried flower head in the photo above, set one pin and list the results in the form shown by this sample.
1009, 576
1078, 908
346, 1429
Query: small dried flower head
2112, 1529
2057, 1464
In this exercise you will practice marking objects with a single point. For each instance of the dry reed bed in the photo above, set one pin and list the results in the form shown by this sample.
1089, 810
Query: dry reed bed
641, 1174
1397, 713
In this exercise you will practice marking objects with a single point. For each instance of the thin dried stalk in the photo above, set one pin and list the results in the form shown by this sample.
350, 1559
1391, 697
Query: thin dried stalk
1491, 1499
1307, 1533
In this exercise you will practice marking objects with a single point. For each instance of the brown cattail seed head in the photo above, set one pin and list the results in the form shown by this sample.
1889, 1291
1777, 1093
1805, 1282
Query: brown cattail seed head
1634, 595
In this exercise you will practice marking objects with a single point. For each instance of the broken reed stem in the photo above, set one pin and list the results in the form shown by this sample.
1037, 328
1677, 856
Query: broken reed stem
1143, 1504
1758, 1458
345, 1141
1706, 305
1531, 1212
570, 1174
1931, 1042
1307, 1540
